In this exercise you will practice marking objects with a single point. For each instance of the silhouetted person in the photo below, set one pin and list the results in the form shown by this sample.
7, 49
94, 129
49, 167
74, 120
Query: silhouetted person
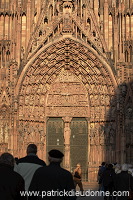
77, 177
11, 183
27, 165
108, 178
123, 179
102, 168
52, 178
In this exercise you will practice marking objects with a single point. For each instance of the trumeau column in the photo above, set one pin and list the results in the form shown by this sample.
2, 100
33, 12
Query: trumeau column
67, 134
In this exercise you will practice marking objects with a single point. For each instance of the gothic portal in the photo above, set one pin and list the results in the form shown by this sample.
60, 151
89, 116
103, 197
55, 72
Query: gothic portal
66, 74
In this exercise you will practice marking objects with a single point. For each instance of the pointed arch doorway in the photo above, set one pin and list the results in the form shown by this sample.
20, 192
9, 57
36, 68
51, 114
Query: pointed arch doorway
67, 109
52, 86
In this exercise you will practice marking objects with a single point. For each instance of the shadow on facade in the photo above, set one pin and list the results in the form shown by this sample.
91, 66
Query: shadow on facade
118, 129
117, 145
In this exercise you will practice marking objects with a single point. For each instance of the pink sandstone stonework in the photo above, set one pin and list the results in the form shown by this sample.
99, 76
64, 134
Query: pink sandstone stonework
66, 80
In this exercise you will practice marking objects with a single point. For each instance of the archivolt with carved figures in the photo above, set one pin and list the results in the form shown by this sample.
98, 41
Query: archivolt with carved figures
67, 79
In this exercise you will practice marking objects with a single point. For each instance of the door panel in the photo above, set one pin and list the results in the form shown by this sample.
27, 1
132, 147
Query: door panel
55, 134
79, 145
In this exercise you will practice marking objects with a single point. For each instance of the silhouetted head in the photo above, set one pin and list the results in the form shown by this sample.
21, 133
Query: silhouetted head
115, 163
124, 167
32, 148
55, 156
103, 163
8, 159
110, 166
130, 171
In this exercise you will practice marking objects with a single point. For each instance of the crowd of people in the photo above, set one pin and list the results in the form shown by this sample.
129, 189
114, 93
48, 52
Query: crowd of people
29, 178
115, 177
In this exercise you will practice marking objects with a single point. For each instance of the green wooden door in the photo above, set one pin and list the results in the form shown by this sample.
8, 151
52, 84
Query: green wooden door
79, 145
55, 134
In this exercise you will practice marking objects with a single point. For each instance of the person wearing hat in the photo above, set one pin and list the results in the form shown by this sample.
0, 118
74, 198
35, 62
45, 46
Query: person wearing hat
52, 181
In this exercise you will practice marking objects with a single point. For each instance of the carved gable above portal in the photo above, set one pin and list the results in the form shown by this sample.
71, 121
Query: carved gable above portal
59, 18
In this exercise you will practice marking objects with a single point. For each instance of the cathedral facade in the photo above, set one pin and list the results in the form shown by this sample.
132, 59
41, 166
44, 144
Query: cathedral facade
66, 80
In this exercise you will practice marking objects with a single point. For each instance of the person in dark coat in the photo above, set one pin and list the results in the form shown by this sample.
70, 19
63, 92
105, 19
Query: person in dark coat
108, 178
11, 183
102, 168
27, 165
53, 181
123, 182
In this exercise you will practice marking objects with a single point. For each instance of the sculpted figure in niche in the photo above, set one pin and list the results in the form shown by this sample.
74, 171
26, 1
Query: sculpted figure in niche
6, 129
67, 7
3, 112
22, 53
129, 112
42, 134
67, 10
124, 89
57, 7
102, 139
67, 134
1, 133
